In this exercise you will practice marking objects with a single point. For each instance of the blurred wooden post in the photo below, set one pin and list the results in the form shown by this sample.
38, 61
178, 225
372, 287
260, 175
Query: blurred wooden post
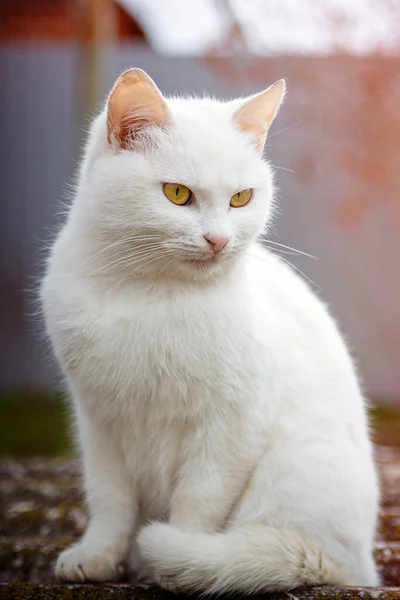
97, 36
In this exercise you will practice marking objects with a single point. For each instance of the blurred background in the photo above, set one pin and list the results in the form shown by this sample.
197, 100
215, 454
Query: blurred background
335, 146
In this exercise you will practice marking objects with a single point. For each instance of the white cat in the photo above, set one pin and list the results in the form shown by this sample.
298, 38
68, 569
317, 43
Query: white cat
213, 393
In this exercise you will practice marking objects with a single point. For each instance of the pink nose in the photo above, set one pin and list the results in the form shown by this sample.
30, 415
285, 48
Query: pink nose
217, 242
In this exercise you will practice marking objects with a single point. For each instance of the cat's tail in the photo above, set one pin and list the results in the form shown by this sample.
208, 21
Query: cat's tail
255, 558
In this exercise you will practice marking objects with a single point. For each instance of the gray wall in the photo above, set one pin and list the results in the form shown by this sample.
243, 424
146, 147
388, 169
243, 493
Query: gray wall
335, 145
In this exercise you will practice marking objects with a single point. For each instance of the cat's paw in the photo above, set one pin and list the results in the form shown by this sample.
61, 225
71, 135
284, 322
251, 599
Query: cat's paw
138, 569
83, 563
169, 583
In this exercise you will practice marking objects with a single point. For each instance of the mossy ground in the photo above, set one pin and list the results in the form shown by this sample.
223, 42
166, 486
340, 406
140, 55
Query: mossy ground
128, 592
34, 424
38, 424
386, 425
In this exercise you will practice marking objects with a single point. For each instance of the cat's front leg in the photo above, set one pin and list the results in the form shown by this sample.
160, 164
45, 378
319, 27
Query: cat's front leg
215, 466
101, 554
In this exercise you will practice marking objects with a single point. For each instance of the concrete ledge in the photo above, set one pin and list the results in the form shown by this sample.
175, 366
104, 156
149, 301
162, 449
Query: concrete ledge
32, 559
29, 591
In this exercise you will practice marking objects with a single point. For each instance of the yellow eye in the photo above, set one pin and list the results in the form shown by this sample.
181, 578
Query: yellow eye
177, 193
241, 198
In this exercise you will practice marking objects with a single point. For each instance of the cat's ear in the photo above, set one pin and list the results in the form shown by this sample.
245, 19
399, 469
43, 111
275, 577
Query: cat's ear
256, 113
134, 103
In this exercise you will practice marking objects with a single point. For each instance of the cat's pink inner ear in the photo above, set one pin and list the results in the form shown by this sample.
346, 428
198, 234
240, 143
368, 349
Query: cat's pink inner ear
135, 102
256, 114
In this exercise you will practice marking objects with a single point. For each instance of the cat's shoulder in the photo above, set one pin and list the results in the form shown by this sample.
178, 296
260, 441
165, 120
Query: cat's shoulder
282, 288
268, 268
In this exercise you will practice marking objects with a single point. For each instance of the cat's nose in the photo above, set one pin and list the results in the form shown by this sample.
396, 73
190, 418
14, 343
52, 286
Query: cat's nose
217, 242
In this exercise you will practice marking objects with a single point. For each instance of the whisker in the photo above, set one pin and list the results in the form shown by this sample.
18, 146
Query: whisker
167, 264
120, 243
163, 255
127, 259
284, 129
296, 250
289, 264
134, 261
127, 248
284, 169
282, 251
301, 272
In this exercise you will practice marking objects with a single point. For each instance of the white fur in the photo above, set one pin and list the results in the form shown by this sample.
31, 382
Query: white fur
216, 396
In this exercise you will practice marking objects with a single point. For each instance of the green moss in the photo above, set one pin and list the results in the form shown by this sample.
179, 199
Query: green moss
386, 425
33, 424
36, 423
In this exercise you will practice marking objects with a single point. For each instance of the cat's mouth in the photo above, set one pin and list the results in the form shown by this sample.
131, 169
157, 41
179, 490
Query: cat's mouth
202, 261
205, 261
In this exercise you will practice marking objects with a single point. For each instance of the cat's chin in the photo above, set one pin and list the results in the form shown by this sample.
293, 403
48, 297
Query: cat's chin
207, 262
208, 259
205, 267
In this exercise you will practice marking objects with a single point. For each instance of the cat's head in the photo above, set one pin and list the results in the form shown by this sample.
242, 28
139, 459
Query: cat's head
177, 186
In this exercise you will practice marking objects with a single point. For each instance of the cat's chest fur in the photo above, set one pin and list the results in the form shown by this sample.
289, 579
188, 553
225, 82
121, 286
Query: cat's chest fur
171, 352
